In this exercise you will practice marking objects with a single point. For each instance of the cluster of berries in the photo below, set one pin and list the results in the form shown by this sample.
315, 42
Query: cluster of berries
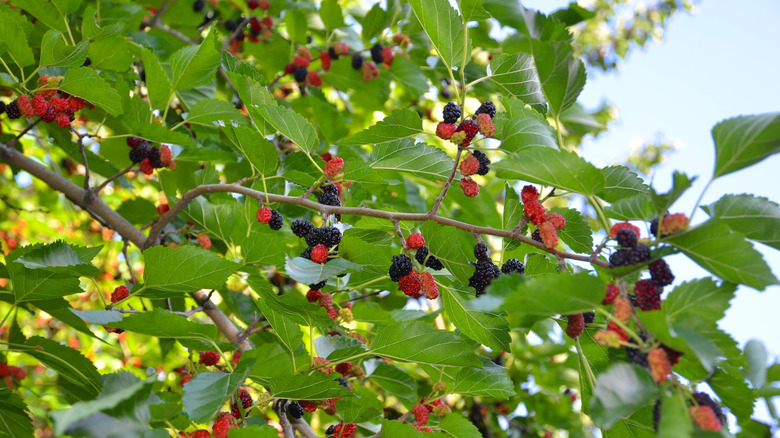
9, 373
473, 163
150, 157
273, 218
246, 403
330, 191
11, 240
485, 270
462, 134
631, 252
413, 282
547, 223
46, 104
223, 424
257, 26
671, 223
423, 409
322, 242
341, 430
299, 67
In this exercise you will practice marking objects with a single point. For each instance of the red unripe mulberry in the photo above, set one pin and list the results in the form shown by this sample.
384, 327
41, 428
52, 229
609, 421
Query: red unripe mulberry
469, 187
264, 215
410, 284
119, 294
575, 325
415, 241
333, 167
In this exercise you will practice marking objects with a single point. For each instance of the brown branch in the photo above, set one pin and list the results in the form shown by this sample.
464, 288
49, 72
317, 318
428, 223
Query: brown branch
112, 178
171, 31
280, 406
127, 262
358, 211
83, 158
21, 134
447, 184
400, 234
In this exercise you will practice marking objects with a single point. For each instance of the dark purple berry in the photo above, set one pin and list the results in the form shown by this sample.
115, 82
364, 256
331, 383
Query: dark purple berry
618, 258
276, 221
660, 273
376, 53
357, 61
513, 265
488, 108
401, 266
451, 113
640, 253
626, 238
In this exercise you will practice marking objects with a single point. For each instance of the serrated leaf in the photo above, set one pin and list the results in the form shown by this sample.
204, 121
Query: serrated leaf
415, 341
58, 257
371, 313
37, 284
193, 66
444, 243
254, 95
55, 53
16, 422
743, 141
260, 153
234, 65
85, 83
471, 10
397, 382
211, 112
164, 324
734, 393
444, 28
373, 22
262, 248
419, 159
622, 183
550, 294
15, 40
207, 392
552, 167
161, 134
399, 429
273, 360
79, 372
490, 381
674, 421
518, 133
680, 183
714, 247
408, 74
44, 12
338, 348
331, 15
365, 407
400, 124
91, 30
185, 269
561, 75
755, 217
620, 390
636, 207
517, 76
459, 427
308, 272
292, 125
576, 234
315, 386
702, 297
138, 211
487, 329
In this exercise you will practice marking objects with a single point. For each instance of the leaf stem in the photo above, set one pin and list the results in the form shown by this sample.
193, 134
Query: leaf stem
13, 76
597, 206
7, 315
698, 201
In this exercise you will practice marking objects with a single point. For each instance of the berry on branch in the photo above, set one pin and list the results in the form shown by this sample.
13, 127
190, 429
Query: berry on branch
333, 167
415, 241
469, 187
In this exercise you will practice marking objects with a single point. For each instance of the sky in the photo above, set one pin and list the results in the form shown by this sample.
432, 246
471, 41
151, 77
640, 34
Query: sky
720, 62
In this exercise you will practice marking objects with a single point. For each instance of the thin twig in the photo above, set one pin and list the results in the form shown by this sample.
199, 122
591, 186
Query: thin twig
400, 234
163, 9
29, 127
275, 80
127, 261
14, 207
447, 184
112, 178
280, 406
184, 314
173, 32
83, 157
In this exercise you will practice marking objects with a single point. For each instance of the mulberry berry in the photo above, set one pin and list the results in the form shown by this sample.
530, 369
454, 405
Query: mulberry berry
618, 258
622, 309
484, 162
703, 399
420, 414
445, 130
209, 358
50, 116
484, 272
387, 55
613, 232
423, 258
333, 167
276, 221
76, 103
323, 365
295, 410
300, 74
319, 254
401, 266
705, 418
415, 241
529, 194
39, 105
470, 128
329, 198
344, 430
648, 296
325, 59
140, 152
119, 294
536, 235
488, 108
626, 238
548, 234
246, 403
575, 325
165, 155
485, 125
640, 253
134, 141
329, 236
673, 223
204, 241
481, 251
264, 215
222, 425
469, 187
200, 433
344, 368
469, 166
428, 286
557, 220
410, 284
198, 5
589, 317
340, 380
513, 265
459, 138
2, 107
63, 120
25, 106
308, 405
59, 104
357, 61
612, 292
451, 112
154, 158
340, 48
306, 254
299, 227
376, 53
660, 273
369, 70
313, 295
301, 61
635, 356
313, 236
535, 212
659, 364
314, 79
13, 110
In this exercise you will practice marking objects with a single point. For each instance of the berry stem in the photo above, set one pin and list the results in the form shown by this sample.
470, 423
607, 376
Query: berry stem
447, 184
24, 81
695, 206
625, 328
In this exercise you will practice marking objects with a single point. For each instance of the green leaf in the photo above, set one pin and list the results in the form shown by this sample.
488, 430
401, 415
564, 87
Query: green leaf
274, 360
490, 381
472, 10
101, 317
37, 284
399, 429
702, 298
161, 134
164, 324
365, 407
16, 423
83, 380
373, 22
185, 269
552, 167
328, 119
226, 221
757, 357
58, 257
518, 133
138, 211
734, 393
15, 40
636, 207
55, 53
79, 411
253, 431
308, 272
622, 183
214, 112
576, 234
85, 83
400, 124
419, 159
232, 64
743, 141
487, 329
292, 125
338, 348
262, 247
755, 217
444, 243
619, 391
513, 214
45, 13
397, 382
674, 421
444, 28
550, 294
516, 75
704, 348
415, 341
680, 183
330, 12
370, 312
407, 74
207, 392
283, 322
315, 386
193, 66
254, 95
562, 76
260, 153
459, 427
714, 247
91, 30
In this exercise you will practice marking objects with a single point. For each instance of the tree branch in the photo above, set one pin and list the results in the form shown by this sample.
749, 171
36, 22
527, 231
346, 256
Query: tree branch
447, 184
114, 177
